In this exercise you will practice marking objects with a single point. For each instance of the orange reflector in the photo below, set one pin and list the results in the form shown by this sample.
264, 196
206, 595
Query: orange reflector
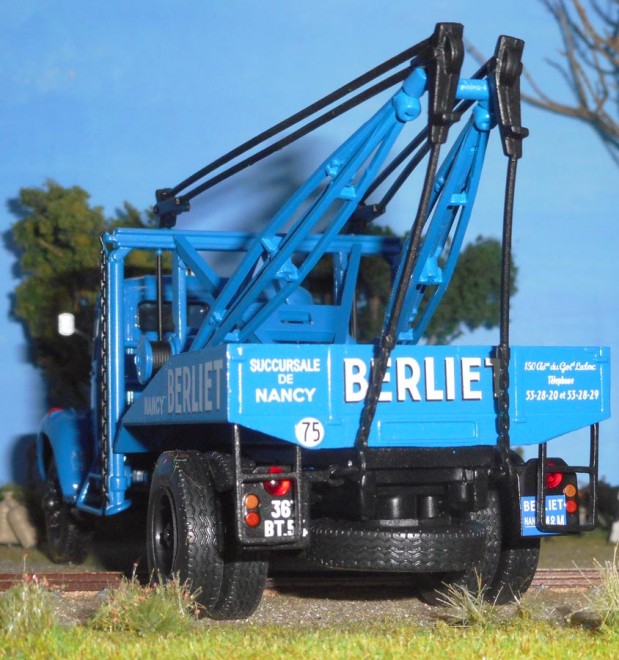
570, 490
571, 506
252, 501
252, 519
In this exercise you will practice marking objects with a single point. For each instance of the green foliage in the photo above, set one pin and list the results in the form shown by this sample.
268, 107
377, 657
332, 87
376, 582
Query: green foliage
57, 241
27, 607
386, 639
373, 291
472, 298
163, 609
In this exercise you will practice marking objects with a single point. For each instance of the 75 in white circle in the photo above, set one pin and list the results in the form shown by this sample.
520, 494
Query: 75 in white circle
309, 432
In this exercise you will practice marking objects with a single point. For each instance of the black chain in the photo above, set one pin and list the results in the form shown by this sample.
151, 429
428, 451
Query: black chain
503, 352
103, 373
503, 420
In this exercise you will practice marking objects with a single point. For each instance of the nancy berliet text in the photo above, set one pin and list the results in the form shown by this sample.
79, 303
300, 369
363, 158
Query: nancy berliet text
198, 388
194, 388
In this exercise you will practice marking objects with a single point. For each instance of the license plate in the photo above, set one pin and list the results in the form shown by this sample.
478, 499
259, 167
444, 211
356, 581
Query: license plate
555, 514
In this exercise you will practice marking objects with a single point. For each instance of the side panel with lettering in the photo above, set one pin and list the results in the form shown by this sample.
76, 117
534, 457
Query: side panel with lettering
190, 388
557, 390
432, 396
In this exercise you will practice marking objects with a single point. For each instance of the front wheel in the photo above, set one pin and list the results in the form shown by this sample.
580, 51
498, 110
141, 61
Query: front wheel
68, 538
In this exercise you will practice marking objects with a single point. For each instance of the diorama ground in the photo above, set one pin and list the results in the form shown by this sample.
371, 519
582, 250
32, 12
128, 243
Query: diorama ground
119, 548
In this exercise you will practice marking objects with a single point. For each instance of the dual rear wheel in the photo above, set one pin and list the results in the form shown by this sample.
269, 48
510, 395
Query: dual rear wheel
190, 534
507, 562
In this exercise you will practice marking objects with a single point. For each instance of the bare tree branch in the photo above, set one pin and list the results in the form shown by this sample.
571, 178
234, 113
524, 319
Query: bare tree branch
589, 64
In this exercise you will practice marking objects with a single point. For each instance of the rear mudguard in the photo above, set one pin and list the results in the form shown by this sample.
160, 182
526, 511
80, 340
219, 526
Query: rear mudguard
66, 433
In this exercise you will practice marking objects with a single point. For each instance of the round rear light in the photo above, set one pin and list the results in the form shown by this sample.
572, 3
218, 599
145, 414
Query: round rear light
252, 501
252, 519
553, 479
275, 487
571, 506
570, 490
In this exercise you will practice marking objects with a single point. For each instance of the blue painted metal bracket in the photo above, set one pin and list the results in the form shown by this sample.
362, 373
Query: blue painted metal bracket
454, 196
358, 160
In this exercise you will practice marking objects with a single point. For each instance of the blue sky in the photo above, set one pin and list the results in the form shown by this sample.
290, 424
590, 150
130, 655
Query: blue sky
122, 98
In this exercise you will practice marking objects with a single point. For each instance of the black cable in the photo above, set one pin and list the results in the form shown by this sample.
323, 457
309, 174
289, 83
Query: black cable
508, 214
503, 350
296, 135
403, 176
397, 161
311, 109
416, 143
341, 92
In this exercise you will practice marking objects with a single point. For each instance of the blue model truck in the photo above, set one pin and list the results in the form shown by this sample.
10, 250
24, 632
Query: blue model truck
263, 430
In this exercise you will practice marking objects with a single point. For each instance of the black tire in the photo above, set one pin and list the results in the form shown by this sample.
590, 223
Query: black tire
190, 533
519, 556
184, 526
517, 566
68, 538
244, 574
358, 546
480, 574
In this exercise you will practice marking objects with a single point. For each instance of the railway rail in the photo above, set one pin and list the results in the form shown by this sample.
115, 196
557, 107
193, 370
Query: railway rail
556, 579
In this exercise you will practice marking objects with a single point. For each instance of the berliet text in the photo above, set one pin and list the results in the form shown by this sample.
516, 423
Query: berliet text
190, 389
412, 380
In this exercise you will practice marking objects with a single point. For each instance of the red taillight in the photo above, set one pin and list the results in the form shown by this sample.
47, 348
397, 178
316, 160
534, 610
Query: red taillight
553, 479
51, 411
571, 506
252, 519
277, 488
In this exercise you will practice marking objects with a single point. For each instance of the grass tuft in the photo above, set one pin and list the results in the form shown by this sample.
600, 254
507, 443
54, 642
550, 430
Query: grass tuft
164, 608
604, 599
468, 608
27, 607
